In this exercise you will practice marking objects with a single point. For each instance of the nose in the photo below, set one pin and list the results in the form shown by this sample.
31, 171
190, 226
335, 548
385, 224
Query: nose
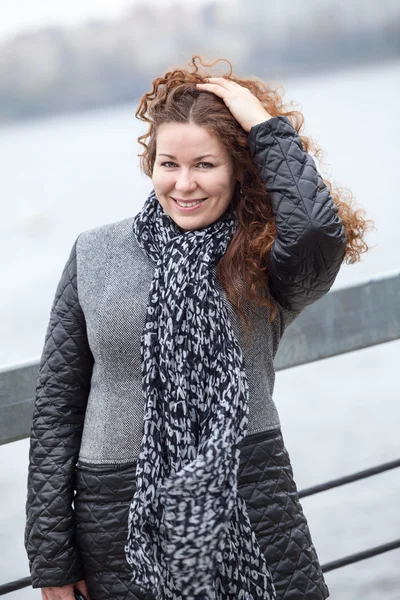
185, 181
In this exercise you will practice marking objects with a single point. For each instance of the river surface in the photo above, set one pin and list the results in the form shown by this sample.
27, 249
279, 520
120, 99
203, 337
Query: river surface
66, 174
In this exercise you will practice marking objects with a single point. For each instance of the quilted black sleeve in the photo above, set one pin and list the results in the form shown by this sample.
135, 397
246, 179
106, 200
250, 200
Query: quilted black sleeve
61, 395
310, 243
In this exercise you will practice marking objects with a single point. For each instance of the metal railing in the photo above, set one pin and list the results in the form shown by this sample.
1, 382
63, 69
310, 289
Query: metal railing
343, 321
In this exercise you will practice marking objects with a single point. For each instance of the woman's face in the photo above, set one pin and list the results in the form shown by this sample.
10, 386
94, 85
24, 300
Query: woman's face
193, 175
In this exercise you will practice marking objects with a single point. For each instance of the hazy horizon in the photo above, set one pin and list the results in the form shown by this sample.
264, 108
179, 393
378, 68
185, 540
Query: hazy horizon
21, 16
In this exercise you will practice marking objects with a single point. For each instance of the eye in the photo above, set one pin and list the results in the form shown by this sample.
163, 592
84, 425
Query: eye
168, 163
205, 165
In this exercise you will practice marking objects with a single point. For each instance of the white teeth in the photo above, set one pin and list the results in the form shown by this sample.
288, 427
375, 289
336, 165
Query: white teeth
187, 204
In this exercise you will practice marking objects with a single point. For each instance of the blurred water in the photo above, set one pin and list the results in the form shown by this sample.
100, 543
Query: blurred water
63, 175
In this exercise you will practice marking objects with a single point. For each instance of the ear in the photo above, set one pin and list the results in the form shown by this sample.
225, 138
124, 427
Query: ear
238, 188
236, 196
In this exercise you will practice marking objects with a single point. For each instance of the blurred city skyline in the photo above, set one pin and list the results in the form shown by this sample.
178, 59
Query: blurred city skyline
22, 16
111, 59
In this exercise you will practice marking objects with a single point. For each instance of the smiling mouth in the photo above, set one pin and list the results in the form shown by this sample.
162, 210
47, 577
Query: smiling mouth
188, 203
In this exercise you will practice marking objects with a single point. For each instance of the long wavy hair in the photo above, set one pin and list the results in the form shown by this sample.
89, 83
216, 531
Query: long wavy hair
243, 270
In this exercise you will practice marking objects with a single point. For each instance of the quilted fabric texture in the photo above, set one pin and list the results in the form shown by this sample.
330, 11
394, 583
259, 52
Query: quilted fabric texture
265, 483
61, 395
309, 247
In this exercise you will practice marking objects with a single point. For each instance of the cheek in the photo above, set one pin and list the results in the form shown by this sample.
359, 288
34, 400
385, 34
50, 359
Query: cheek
224, 187
162, 181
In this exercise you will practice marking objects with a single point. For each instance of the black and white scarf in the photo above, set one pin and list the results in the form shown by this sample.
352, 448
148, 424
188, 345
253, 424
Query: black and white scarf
190, 536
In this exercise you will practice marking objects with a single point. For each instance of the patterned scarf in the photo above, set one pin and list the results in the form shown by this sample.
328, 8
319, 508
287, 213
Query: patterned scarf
190, 536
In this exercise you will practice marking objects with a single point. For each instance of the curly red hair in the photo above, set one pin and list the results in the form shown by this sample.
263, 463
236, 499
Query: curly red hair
243, 270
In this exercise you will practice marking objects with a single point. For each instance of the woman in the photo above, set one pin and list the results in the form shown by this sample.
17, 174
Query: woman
157, 463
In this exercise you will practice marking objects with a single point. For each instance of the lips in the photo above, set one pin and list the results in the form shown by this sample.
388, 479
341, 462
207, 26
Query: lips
187, 206
188, 201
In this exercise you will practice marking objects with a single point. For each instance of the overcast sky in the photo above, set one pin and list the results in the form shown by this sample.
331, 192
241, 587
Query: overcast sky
17, 16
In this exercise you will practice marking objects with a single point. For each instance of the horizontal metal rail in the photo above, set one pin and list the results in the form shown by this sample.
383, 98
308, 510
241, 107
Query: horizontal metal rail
13, 586
359, 556
342, 321
322, 487
345, 320
17, 394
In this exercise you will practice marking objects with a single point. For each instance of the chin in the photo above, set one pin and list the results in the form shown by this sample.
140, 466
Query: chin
185, 225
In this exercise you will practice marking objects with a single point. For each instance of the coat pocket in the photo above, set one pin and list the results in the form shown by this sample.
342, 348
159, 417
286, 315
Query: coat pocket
102, 501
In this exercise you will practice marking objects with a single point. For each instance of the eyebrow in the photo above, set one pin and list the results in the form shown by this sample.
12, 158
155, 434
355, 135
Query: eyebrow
197, 157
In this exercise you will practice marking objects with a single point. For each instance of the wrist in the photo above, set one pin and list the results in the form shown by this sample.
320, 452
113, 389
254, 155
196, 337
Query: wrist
262, 118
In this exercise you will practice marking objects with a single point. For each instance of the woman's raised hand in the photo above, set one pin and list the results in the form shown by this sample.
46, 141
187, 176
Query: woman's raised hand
65, 592
245, 107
